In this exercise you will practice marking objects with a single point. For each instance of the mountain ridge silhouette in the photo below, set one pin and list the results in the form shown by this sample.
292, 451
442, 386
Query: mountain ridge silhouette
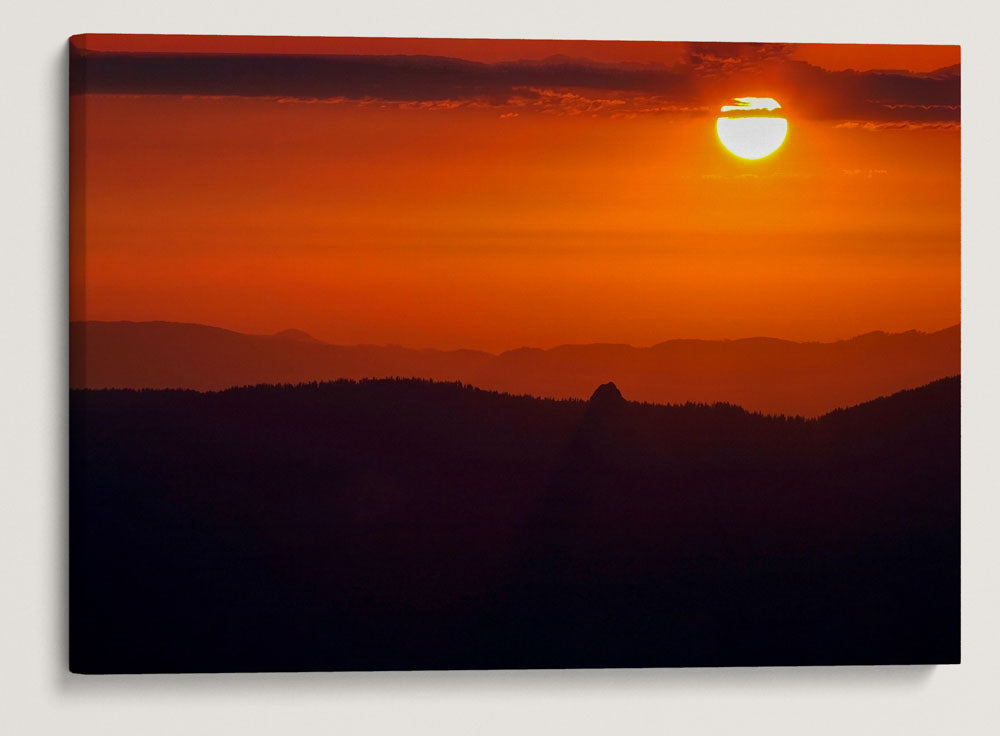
761, 374
407, 524
300, 335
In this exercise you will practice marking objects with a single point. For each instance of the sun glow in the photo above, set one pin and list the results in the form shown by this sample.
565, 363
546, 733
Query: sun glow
753, 130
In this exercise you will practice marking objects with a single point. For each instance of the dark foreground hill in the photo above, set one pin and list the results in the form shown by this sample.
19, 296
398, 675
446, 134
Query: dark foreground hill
760, 374
408, 524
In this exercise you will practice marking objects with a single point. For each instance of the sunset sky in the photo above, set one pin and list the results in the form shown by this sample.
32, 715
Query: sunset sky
499, 194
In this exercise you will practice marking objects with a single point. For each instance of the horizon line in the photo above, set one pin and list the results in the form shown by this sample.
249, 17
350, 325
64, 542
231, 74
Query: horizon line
535, 397
281, 334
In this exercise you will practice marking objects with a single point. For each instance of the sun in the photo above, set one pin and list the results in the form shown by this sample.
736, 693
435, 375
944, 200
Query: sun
752, 128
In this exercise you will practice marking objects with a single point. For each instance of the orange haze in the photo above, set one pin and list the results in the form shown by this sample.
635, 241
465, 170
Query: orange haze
566, 216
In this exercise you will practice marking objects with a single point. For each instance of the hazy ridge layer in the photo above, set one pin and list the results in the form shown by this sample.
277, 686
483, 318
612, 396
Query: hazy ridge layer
761, 374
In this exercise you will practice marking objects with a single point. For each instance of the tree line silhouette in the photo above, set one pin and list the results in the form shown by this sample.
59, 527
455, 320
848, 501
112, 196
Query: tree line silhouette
408, 524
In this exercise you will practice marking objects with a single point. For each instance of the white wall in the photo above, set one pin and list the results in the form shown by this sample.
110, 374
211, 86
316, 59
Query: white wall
36, 693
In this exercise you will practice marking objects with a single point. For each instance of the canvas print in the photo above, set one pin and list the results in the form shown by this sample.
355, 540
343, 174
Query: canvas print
398, 354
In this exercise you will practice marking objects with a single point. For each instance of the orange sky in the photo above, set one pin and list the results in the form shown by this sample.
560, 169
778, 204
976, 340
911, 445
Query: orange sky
833, 56
557, 215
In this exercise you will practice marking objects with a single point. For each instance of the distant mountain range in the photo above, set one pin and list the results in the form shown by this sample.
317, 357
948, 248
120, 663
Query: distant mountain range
760, 374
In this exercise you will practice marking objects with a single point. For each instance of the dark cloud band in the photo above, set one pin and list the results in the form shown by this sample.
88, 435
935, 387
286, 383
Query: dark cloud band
711, 72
